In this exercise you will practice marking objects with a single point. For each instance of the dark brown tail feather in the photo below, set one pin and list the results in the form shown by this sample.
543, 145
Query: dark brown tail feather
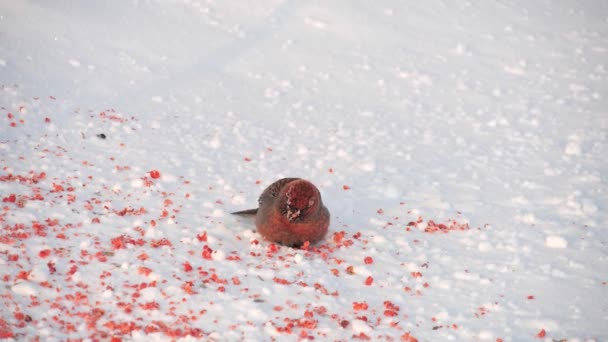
246, 212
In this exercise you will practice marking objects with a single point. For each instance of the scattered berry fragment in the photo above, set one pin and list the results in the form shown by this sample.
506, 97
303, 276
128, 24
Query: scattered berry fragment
154, 174
541, 334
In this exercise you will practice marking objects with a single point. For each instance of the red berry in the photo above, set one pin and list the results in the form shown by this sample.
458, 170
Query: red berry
155, 174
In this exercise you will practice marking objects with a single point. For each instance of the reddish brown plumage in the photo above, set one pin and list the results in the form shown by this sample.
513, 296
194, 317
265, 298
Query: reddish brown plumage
290, 213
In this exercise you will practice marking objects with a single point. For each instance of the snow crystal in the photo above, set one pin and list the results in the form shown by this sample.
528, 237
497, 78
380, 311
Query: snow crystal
484, 247
39, 273
270, 330
368, 166
379, 240
152, 233
573, 148
137, 183
173, 290
217, 213
237, 200
271, 93
485, 335
74, 63
25, 288
528, 218
298, 258
214, 142
514, 70
149, 294
459, 49
76, 277
360, 326
555, 241
168, 177
466, 276
443, 284
218, 255
302, 150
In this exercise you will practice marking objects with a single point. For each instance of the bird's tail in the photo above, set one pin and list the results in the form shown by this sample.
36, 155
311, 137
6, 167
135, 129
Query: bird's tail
246, 212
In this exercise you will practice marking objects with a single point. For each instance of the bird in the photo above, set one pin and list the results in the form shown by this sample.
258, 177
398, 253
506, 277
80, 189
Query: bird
290, 213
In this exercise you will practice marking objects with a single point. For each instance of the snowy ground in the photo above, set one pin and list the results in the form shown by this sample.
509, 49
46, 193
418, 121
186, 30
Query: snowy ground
460, 147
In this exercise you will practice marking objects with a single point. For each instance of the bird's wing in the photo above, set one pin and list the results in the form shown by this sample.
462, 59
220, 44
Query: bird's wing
272, 191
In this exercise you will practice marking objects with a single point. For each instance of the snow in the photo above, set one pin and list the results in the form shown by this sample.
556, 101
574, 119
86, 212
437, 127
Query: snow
459, 146
553, 241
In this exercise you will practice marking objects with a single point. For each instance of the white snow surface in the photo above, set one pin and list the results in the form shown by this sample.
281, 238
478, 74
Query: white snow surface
460, 147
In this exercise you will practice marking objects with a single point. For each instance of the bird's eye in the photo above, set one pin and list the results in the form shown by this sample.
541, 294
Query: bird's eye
311, 202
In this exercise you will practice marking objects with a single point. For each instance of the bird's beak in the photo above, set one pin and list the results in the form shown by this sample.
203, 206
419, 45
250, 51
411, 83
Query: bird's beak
292, 215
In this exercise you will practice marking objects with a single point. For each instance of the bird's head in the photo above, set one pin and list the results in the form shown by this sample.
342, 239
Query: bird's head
299, 199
